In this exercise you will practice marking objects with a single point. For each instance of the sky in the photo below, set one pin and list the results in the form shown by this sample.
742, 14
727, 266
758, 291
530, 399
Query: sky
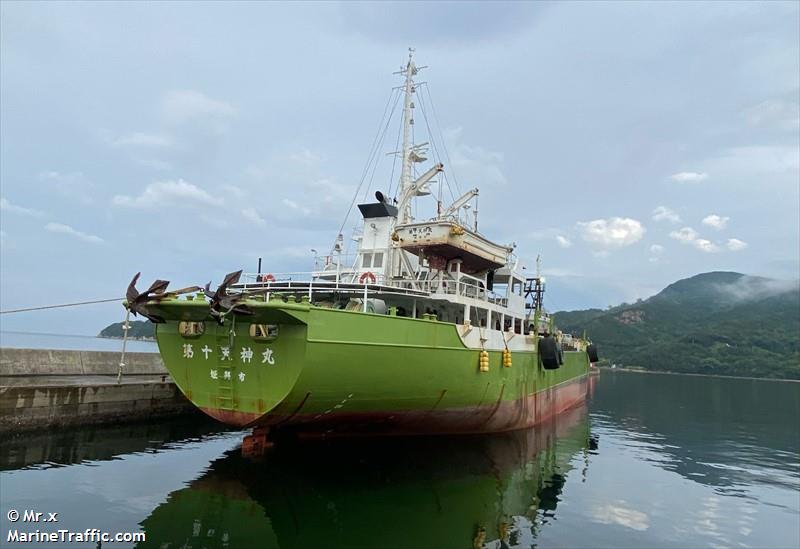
630, 144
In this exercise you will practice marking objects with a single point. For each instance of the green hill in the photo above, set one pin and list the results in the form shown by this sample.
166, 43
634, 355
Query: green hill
139, 329
713, 323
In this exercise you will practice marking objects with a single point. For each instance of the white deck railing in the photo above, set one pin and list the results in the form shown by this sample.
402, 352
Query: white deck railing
359, 282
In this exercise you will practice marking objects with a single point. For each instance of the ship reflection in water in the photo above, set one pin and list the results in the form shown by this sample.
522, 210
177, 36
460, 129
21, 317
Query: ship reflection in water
463, 492
682, 462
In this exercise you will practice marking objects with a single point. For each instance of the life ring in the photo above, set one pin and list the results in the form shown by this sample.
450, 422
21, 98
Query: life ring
266, 278
367, 275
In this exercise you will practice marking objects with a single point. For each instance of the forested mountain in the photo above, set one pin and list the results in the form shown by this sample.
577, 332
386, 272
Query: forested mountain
139, 329
713, 323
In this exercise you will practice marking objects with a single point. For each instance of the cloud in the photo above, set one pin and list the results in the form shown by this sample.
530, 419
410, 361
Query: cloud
73, 185
7, 206
553, 233
295, 206
734, 244
749, 288
687, 235
614, 232
66, 229
162, 193
563, 241
185, 105
483, 166
662, 213
656, 251
777, 113
145, 140
716, 221
316, 200
705, 245
689, 177
251, 215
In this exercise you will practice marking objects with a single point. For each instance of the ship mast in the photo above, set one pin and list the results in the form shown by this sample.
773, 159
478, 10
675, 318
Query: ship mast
411, 153
408, 121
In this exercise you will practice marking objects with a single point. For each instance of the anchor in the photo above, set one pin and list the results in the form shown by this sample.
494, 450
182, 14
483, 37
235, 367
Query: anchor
136, 302
223, 303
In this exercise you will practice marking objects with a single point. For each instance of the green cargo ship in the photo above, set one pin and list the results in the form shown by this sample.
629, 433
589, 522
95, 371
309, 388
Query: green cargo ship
428, 328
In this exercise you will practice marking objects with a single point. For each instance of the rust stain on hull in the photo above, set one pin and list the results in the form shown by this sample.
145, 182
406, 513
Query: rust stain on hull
498, 416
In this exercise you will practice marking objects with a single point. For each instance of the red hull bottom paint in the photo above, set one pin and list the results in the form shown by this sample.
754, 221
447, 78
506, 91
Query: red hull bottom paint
491, 418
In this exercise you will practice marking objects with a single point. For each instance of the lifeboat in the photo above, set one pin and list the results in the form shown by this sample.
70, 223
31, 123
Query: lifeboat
445, 239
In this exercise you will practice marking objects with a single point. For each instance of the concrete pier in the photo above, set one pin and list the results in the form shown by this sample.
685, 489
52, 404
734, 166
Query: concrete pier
49, 388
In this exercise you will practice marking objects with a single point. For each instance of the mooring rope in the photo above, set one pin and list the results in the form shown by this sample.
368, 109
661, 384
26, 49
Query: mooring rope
44, 307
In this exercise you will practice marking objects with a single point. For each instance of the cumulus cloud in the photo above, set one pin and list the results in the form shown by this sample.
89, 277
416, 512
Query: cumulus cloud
185, 105
716, 221
563, 241
687, 235
611, 233
250, 214
162, 193
734, 244
662, 213
7, 206
705, 245
689, 177
66, 229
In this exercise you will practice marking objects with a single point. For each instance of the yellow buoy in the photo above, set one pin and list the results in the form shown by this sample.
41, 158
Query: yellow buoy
483, 361
507, 358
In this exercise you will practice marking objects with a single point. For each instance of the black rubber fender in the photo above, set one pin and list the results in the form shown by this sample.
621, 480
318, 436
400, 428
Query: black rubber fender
548, 353
591, 350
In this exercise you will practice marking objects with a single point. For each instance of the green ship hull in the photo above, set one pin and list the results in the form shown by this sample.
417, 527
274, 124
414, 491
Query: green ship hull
336, 372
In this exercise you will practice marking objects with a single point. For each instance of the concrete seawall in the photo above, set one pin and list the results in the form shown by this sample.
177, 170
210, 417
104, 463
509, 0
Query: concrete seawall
49, 388
46, 362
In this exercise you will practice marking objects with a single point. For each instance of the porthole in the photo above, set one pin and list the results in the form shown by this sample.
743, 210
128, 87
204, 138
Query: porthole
263, 332
191, 329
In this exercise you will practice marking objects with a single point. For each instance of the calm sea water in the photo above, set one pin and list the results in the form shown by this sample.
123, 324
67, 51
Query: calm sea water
654, 461
29, 340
